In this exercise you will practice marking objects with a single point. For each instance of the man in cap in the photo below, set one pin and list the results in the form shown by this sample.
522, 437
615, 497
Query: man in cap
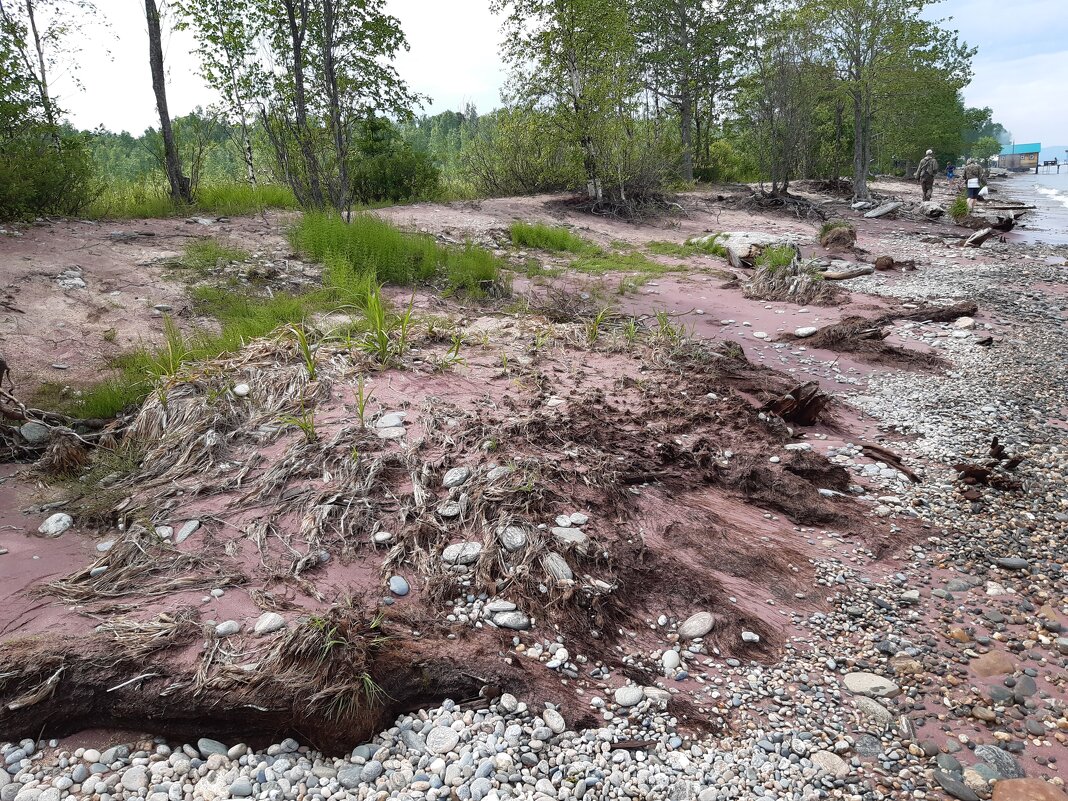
926, 173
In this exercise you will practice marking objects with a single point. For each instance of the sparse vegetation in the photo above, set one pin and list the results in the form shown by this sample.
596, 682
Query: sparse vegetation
958, 209
611, 262
684, 251
137, 199
551, 238
204, 255
368, 248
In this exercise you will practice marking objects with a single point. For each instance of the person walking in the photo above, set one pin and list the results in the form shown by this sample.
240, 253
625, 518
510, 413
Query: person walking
926, 172
973, 180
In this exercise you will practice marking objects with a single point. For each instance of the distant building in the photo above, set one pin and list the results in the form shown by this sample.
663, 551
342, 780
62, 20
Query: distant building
1020, 157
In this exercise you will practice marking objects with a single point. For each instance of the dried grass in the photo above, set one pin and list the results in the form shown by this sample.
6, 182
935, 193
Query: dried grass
139, 639
139, 564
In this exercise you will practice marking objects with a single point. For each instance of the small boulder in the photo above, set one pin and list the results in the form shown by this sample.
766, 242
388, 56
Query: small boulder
227, 628
462, 553
269, 622
871, 685
557, 567
35, 433
696, 625
56, 525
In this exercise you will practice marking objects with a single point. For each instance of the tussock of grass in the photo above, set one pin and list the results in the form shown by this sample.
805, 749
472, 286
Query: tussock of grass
369, 248
958, 209
205, 254
830, 225
138, 200
776, 257
550, 238
603, 263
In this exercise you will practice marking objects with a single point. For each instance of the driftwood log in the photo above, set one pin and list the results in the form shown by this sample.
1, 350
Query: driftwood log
845, 275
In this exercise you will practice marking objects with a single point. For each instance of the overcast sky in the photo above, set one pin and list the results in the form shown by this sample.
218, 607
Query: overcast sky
1021, 70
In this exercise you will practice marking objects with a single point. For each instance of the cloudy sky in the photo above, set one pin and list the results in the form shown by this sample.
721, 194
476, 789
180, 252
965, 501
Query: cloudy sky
1021, 70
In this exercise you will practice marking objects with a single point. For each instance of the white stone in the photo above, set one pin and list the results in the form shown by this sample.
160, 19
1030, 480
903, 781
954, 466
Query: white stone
696, 625
186, 529
461, 553
554, 720
269, 622
227, 628
513, 538
805, 331
391, 420
456, 477
56, 524
557, 567
870, 684
442, 739
829, 762
671, 659
629, 695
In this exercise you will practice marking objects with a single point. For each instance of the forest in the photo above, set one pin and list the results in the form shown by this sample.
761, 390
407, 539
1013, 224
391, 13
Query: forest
623, 100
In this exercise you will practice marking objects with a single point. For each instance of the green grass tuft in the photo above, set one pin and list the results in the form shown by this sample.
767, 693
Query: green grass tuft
204, 255
958, 209
370, 249
776, 257
605, 262
550, 238
830, 225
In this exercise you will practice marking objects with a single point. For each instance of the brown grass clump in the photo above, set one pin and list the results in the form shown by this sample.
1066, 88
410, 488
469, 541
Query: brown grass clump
139, 564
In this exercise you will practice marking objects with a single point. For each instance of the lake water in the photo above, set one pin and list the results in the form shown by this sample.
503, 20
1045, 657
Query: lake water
1049, 194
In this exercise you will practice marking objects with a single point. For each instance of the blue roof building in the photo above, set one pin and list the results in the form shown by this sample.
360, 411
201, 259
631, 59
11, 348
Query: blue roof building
1018, 150
1020, 158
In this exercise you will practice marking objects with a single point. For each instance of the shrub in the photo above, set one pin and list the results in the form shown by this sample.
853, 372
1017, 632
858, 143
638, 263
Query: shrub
44, 171
519, 152
397, 176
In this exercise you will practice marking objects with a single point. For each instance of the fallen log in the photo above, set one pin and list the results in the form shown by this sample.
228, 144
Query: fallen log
845, 275
889, 457
883, 210
978, 238
939, 314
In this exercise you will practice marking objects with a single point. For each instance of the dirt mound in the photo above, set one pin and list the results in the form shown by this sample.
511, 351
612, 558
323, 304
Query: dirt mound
556, 478
864, 336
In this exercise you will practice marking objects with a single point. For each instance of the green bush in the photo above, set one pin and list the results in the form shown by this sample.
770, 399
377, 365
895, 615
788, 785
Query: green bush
44, 171
398, 176
520, 152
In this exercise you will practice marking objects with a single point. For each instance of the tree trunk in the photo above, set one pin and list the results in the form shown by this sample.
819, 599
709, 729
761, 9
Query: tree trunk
339, 195
180, 188
42, 83
686, 132
246, 151
300, 103
860, 166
